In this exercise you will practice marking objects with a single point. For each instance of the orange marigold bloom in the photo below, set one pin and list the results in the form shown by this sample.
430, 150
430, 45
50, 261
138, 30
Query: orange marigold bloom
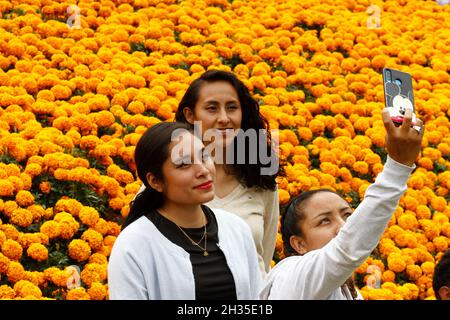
441, 243
438, 203
51, 228
6, 188
6, 292
22, 217
428, 267
97, 291
12, 249
15, 271
414, 272
361, 167
94, 238
407, 222
77, 294
94, 272
38, 252
24, 288
89, 216
79, 250
388, 276
396, 263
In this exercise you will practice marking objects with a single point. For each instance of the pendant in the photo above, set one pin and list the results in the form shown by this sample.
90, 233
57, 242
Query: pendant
205, 253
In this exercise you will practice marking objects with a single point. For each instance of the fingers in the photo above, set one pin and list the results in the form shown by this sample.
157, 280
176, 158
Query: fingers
407, 120
388, 124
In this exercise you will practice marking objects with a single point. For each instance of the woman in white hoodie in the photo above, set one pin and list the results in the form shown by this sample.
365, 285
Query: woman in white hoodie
324, 246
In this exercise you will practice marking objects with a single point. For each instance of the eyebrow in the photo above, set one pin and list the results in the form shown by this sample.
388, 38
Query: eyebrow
217, 102
327, 213
189, 156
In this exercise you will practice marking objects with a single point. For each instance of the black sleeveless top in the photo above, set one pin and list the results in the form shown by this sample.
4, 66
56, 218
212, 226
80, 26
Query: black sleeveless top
212, 276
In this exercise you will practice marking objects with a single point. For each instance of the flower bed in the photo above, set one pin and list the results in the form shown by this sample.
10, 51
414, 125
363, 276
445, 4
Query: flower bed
79, 87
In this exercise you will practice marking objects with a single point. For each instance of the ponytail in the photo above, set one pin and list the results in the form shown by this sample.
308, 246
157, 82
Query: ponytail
146, 201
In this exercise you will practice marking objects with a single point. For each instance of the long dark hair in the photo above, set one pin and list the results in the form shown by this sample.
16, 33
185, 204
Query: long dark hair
248, 174
293, 214
151, 152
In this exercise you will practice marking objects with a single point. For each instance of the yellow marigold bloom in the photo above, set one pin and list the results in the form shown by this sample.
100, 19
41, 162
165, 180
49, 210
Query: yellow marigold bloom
98, 258
4, 263
361, 167
441, 243
51, 229
283, 196
22, 217
388, 276
33, 169
10, 231
79, 250
94, 272
97, 291
93, 238
414, 272
423, 212
6, 188
38, 252
6, 292
413, 289
89, 216
12, 249
24, 288
438, 203
426, 163
408, 222
9, 207
101, 226
15, 271
77, 294
317, 127
396, 263
428, 267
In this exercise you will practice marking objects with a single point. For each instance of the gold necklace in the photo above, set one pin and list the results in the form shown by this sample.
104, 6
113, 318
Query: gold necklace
205, 235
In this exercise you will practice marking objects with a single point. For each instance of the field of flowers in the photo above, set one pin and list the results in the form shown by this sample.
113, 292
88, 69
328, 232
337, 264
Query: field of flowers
80, 84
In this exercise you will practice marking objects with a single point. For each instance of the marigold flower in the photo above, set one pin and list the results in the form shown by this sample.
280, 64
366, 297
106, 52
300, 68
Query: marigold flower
93, 238
38, 252
97, 291
93, 272
12, 249
79, 250
407, 222
22, 217
15, 271
428, 267
51, 229
414, 272
6, 292
77, 294
396, 263
24, 288
89, 216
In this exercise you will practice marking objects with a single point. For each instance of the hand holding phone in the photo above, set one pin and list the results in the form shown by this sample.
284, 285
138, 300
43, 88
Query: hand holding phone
398, 94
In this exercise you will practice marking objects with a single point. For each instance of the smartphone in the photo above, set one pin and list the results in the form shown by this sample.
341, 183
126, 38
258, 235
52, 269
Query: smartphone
398, 94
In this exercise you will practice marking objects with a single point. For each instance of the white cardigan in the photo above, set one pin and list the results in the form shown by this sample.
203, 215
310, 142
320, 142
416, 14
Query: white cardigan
260, 209
319, 274
145, 265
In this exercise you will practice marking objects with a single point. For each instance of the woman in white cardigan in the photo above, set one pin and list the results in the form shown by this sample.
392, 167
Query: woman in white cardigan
324, 247
171, 245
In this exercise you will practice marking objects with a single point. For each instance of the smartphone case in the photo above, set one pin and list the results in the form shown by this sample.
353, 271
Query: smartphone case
398, 93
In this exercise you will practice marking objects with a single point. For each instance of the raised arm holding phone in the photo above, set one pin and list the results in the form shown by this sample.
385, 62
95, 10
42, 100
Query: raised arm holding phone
324, 248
